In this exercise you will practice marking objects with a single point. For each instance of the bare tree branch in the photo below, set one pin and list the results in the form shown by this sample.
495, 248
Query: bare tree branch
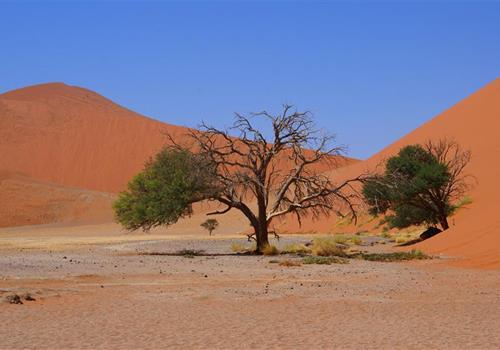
282, 174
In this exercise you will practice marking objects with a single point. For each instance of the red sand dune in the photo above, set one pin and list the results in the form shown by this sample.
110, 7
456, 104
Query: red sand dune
75, 137
474, 123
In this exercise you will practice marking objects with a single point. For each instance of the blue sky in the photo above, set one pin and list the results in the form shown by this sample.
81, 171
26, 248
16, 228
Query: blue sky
369, 71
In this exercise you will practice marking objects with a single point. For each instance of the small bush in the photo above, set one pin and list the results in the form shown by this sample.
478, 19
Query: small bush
463, 202
356, 240
190, 253
340, 238
296, 248
270, 250
326, 246
290, 263
397, 256
210, 225
324, 260
274, 261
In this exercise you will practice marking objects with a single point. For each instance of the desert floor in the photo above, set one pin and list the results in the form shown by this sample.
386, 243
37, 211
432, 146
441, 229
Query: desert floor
96, 289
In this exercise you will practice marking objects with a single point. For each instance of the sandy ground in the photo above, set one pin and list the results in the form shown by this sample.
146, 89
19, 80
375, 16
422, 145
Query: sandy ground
101, 292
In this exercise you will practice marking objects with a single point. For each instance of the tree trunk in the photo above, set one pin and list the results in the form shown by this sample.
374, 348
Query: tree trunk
261, 232
443, 221
262, 237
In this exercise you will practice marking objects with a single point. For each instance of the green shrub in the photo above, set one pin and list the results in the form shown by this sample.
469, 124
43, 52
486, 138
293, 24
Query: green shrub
396, 256
210, 225
164, 191
466, 200
324, 260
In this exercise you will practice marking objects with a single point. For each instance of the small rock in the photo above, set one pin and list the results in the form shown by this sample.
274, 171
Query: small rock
28, 297
14, 299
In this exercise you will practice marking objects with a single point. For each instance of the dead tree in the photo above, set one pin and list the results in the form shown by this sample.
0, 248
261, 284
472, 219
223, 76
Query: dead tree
269, 177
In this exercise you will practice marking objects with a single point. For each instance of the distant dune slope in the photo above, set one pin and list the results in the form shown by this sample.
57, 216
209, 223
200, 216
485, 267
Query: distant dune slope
475, 124
75, 137
27, 201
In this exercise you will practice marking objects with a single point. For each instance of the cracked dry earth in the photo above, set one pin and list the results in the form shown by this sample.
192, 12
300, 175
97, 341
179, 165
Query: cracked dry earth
110, 296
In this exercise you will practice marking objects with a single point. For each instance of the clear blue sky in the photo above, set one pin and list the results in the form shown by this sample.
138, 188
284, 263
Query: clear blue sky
370, 71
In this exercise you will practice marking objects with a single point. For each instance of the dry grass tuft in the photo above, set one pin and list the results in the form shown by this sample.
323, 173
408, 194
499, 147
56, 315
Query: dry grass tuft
340, 238
270, 250
326, 246
400, 240
241, 248
356, 240
296, 248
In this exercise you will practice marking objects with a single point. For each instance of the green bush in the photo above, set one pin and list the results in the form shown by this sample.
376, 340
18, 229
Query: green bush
324, 260
396, 256
165, 190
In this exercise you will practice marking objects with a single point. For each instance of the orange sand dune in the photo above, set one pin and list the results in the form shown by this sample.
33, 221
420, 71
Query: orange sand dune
27, 201
474, 123
75, 137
